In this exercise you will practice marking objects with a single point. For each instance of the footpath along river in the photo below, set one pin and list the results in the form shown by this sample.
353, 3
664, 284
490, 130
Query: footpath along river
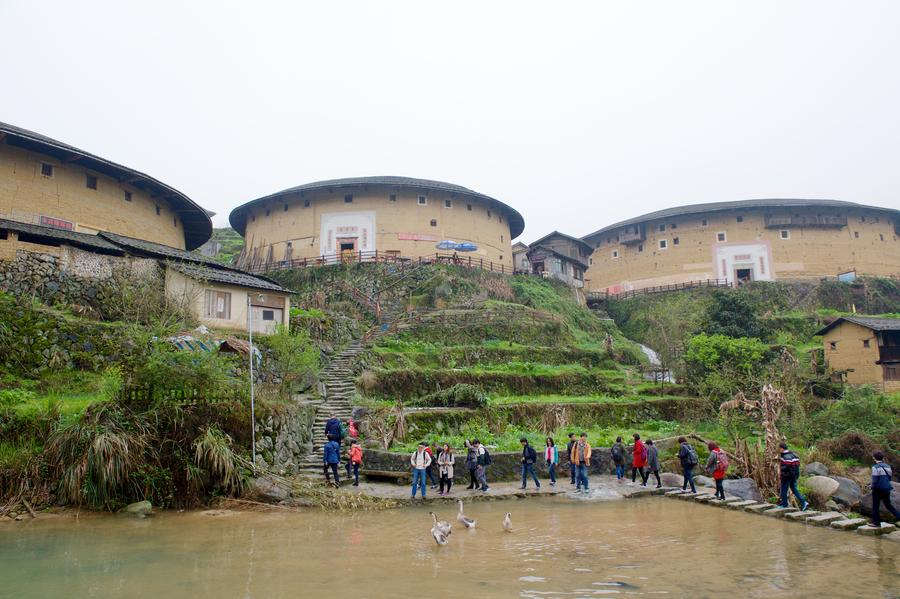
560, 547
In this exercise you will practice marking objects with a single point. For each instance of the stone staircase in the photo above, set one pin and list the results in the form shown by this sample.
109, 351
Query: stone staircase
339, 388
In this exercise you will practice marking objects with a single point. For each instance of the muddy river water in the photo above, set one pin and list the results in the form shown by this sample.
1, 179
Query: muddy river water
559, 548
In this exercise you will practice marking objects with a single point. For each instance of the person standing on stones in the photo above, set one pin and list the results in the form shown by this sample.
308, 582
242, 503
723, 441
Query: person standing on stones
581, 457
445, 467
689, 459
433, 452
618, 458
331, 456
790, 473
471, 463
552, 457
529, 457
881, 488
638, 460
484, 460
420, 461
355, 459
569, 447
653, 463
717, 465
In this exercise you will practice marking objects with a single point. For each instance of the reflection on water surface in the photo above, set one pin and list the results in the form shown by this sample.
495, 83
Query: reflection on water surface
559, 548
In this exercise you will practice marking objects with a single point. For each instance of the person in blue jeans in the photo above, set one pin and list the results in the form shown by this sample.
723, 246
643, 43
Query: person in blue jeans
420, 461
529, 457
689, 459
569, 447
618, 455
581, 457
790, 472
552, 457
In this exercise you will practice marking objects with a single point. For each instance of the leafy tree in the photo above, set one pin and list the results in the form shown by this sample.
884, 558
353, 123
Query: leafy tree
719, 366
732, 314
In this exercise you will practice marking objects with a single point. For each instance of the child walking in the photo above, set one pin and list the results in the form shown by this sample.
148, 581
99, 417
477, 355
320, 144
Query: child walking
355, 459
717, 465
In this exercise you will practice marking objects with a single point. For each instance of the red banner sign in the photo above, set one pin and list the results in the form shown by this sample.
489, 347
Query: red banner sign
56, 223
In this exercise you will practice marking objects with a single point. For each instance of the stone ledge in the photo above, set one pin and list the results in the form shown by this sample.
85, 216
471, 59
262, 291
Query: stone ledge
825, 519
759, 508
870, 530
740, 505
802, 516
780, 512
849, 524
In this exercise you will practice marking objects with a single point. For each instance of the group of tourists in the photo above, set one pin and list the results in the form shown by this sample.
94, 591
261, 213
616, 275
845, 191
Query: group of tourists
644, 457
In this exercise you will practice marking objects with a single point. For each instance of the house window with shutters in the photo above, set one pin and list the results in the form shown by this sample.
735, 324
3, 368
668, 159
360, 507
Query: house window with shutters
218, 304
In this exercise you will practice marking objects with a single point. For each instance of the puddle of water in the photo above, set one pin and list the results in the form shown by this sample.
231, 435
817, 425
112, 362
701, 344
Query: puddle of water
573, 548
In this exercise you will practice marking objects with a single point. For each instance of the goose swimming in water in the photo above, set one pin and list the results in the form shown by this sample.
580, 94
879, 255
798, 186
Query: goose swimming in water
438, 531
507, 522
460, 517
441, 525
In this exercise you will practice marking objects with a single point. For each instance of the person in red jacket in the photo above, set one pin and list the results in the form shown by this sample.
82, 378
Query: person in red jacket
355, 460
639, 460
717, 465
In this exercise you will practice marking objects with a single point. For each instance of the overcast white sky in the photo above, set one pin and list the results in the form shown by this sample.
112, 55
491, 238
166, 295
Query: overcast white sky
576, 114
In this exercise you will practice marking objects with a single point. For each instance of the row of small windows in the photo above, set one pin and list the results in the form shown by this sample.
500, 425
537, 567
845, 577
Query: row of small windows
91, 182
420, 200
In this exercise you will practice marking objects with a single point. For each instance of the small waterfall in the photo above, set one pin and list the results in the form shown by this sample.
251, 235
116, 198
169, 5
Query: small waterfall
653, 357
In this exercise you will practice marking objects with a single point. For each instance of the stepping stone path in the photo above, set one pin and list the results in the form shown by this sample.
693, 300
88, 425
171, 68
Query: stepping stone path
848, 524
759, 508
884, 529
893, 536
825, 519
780, 512
338, 380
740, 505
802, 516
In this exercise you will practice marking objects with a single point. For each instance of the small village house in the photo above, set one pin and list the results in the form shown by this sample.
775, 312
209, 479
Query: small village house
864, 350
521, 265
560, 256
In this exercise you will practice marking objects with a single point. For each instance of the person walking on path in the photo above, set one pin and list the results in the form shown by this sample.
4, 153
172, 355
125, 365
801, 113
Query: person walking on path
653, 463
790, 473
717, 466
484, 460
355, 460
881, 488
334, 430
529, 458
331, 456
552, 457
569, 447
638, 460
471, 463
689, 459
445, 469
618, 458
420, 461
431, 468
581, 457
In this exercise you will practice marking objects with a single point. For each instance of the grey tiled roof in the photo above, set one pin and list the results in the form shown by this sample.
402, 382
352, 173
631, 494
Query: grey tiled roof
82, 240
226, 277
574, 240
738, 205
196, 222
876, 323
238, 216
151, 249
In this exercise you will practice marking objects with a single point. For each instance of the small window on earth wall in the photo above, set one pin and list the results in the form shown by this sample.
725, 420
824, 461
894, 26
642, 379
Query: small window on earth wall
90, 181
422, 200
46, 169
218, 304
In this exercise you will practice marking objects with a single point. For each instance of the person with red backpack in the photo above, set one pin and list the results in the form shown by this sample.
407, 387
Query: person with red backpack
717, 466
639, 460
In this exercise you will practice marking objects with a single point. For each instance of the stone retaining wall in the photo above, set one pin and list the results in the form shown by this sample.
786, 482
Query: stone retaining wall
284, 436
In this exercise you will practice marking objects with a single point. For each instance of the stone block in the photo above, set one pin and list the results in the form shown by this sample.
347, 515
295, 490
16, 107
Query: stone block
815, 469
740, 505
801, 516
759, 508
850, 524
825, 519
675, 492
781, 512
870, 530
892, 536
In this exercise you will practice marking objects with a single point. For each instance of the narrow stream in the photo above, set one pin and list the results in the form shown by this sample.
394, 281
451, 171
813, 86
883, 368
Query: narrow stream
559, 548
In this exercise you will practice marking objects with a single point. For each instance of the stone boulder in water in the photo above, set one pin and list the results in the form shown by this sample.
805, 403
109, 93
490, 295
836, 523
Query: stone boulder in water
671, 480
269, 490
745, 488
815, 469
865, 503
848, 492
704, 481
141, 509
821, 487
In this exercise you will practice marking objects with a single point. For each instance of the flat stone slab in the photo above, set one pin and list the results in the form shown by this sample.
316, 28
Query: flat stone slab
826, 518
759, 508
675, 493
704, 497
740, 505
884, 529
801, 516
849, 524
892, 536
781, 512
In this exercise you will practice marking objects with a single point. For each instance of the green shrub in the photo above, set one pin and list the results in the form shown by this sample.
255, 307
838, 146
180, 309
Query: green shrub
294, 353
862, 410
718, 366
730, 313
12, 397
458, 396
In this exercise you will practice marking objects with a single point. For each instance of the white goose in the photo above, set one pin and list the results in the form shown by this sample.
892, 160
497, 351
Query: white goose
438, 532
441, 525
460, 517
507, 522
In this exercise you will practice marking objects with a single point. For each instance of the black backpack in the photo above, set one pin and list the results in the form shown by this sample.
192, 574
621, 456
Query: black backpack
486, 459
530, 455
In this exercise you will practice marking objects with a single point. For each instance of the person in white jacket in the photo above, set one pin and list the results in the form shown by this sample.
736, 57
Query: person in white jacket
420, 461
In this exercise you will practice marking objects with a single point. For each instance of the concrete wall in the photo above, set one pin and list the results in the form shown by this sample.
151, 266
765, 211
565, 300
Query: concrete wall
273, 226
26, 195
850, 353
192, 294
868, 244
